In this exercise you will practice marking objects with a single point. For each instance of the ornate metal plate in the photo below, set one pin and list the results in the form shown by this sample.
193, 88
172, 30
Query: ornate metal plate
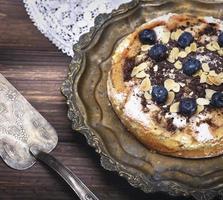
92, 115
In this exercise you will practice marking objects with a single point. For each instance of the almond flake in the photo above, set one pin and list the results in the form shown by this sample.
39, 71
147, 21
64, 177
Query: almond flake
203, 78
193, 47
216, 80
188, 50
170, 98
205, 67
208, 81
220, 52
198, 73
170, 84
200, 108
216, 45
202, 101
174, 107
145, 47
172, 36
139, 68
141, 74
212, 73
210, 47
140, 58
166, 37
178, 65
146, 84
182, 54
147, 96
178, 33
173, 54
209, 93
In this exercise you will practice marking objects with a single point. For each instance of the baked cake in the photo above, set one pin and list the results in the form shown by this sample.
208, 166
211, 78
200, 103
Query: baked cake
166, 85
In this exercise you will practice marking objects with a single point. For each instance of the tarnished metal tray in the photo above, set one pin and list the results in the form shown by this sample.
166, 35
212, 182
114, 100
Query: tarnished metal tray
92, 115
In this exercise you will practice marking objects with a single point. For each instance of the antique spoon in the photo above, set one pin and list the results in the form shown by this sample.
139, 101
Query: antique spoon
26, 135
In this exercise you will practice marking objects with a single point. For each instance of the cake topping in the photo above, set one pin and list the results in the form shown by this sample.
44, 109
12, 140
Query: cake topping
217, 99
185, 39
191, 66
158, 52
159, 94
220, 39
187, 106
147, 36
180, 69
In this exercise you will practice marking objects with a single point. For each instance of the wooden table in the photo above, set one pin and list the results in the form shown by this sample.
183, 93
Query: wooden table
37, 69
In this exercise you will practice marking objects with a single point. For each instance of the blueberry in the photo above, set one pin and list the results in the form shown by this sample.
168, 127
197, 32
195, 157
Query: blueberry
185, 39
217, 99
158, 52
147, 36
220, 39
188, 106
159, 94
191, 66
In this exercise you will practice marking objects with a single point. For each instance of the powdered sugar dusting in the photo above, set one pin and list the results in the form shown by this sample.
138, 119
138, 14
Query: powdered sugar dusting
133, 108
204, 133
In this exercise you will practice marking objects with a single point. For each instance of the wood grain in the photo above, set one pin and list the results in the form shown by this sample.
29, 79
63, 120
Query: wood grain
37, 69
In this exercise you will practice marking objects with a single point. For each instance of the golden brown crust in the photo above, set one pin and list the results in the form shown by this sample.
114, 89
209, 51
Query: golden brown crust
154, 134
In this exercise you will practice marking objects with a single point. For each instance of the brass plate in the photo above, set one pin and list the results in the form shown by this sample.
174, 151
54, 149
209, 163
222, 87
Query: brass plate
92, 115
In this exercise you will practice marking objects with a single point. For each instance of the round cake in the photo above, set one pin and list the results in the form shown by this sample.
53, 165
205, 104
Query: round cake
166, 85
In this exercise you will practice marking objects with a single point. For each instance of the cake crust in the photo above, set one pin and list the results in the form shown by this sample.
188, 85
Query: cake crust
130, 80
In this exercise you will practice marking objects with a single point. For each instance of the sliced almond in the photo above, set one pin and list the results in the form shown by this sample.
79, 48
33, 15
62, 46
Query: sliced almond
203, 78
172, 36
174, 107
216, 45
147, 96
166, 37
170, 84
200, 108
178, 33
146, 84
178, 64
171, 60
208, 81
209, 93
220, 52
198, 73
140, 57
188, 50
141, 74
216, 80
193, 47
205, 67
139, 68
210, 47
170, 98
202, 101
173, 55
213, 73
145, 47
182, 54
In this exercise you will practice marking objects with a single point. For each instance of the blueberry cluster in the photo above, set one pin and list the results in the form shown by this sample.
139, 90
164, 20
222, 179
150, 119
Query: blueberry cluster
159, 51
187, 106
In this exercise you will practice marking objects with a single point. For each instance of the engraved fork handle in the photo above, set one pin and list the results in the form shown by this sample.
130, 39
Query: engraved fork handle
74, 182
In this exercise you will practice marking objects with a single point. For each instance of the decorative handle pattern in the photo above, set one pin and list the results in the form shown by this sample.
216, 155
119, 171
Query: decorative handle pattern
74, 182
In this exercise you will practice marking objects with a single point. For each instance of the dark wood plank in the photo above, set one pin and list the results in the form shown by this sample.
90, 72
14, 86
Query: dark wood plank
37, 69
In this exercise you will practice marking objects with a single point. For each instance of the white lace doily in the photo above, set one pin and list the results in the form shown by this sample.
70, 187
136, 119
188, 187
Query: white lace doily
63, 21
